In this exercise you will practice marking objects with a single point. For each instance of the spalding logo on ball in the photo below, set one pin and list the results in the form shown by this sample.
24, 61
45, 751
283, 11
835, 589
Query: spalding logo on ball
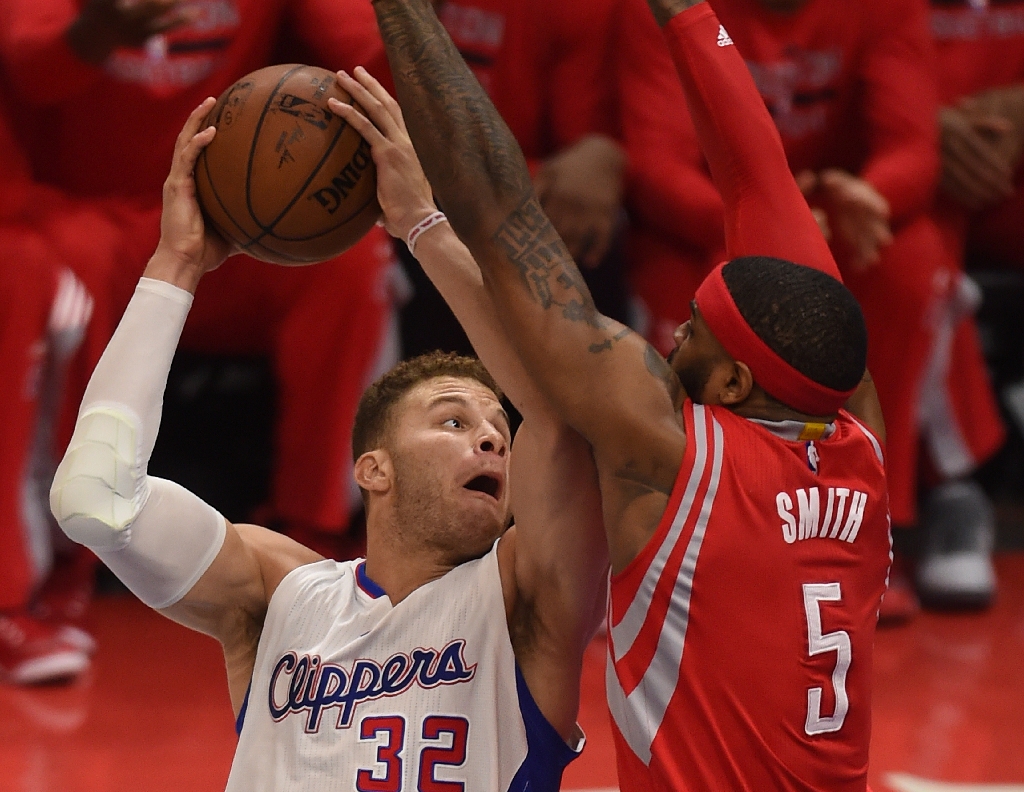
285, 179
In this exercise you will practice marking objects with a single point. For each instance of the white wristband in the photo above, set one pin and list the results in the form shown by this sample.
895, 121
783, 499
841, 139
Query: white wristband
417, 230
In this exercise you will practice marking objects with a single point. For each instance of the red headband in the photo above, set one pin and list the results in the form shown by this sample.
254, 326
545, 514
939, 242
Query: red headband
771, 372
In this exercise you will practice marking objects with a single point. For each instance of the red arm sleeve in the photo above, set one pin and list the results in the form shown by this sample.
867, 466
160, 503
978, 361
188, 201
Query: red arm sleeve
901, 105
668, 188
40, 63
765, 213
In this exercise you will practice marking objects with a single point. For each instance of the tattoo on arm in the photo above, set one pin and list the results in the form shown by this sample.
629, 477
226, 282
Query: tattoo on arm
608, 343
470, 156
531, 243
477, 169
549, 273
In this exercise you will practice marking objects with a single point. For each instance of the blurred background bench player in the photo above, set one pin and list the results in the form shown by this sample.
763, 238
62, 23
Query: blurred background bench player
95, 77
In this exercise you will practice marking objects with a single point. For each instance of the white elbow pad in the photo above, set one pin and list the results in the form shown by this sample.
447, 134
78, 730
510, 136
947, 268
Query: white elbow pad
100, 486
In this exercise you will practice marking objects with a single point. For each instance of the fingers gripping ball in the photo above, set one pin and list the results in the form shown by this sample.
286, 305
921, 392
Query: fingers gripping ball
285, 179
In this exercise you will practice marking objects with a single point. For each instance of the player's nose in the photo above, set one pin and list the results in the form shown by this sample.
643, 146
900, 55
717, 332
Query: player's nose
491, 441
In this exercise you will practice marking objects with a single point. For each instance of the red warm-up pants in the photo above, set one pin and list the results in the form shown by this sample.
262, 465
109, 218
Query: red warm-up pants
926, 360
28, 283
102, 245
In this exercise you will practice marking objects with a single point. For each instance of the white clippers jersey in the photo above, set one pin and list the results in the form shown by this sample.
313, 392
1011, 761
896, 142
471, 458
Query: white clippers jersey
350, 694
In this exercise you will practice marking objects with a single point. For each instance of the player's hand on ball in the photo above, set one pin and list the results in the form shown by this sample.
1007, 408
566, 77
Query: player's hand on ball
187, 248
403, 191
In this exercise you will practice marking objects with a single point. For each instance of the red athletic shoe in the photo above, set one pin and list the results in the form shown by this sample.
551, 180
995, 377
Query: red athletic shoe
65, 597
33, 652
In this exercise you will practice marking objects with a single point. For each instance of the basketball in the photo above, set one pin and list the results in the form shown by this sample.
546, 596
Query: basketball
284, 178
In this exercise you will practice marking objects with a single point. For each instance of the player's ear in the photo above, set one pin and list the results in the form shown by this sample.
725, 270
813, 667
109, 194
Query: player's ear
374, 471
739, 384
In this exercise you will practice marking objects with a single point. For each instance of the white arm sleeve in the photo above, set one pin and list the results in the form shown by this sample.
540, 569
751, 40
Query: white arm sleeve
156, 536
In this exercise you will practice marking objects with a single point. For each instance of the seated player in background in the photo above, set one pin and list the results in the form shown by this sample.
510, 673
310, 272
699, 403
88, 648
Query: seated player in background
981, 80
746, 516
44, 312
98, 76
452, 654
851, 89
980, 50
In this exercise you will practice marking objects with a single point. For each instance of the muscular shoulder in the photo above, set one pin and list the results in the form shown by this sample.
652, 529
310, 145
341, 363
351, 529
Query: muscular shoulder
276, 554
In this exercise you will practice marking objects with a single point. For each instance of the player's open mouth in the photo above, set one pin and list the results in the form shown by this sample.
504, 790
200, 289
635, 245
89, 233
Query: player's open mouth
489, 485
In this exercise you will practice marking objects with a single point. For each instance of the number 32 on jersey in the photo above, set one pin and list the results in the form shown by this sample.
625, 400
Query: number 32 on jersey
445, 738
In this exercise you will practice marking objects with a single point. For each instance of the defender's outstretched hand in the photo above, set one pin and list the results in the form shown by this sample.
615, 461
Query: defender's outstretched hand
187, 248
403, 191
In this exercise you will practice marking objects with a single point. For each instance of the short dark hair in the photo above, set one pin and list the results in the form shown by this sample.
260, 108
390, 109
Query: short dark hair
807, 317
373, 416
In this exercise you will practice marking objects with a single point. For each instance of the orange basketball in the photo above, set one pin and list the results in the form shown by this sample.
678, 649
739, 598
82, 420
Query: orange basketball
285, 179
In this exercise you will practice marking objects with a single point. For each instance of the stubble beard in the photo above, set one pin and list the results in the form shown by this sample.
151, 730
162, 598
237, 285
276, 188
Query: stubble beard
694, 378
425, 518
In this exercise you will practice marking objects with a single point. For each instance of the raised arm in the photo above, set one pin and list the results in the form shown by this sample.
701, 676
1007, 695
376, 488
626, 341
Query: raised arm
481, 181
407, 200
175, 552
557, 550
765, 212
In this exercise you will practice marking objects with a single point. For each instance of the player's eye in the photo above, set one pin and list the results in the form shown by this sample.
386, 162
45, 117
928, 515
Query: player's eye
455, 423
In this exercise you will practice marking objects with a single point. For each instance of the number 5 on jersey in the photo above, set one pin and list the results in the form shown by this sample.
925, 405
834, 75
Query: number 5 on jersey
817, 643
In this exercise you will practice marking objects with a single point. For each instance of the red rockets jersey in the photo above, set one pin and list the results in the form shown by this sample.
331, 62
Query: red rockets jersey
544, 64
980, 45
110, 130
740, 640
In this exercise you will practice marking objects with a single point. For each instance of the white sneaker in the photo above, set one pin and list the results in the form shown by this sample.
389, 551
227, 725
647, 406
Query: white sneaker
955, 569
